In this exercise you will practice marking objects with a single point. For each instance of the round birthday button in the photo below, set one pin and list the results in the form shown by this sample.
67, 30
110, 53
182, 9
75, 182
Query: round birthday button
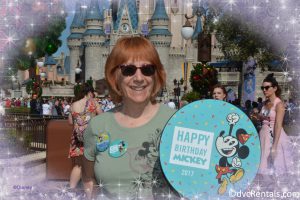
208, 149
117, 148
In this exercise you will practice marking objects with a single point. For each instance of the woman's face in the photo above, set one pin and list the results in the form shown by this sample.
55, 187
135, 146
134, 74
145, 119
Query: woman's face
268, 89
136, 87
219, 94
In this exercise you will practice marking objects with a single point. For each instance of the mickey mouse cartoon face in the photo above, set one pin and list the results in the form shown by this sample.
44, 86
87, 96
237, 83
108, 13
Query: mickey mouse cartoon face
227, 146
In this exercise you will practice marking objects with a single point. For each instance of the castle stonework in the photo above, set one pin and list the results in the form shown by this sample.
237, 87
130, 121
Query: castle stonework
95, 30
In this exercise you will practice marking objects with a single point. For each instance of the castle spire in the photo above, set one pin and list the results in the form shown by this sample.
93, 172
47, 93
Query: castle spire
94, 39
160, 36
160, 11
78, 20
132, 13
75, 39
94, 12
94, 20
160, 21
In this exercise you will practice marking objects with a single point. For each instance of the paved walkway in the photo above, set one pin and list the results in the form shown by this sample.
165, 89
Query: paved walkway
23, 173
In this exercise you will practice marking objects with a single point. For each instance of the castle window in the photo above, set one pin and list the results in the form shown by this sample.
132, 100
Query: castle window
138, 5
59, 68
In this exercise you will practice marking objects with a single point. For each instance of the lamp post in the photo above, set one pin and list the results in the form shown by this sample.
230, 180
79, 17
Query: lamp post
163, 94
177, 91
187, 33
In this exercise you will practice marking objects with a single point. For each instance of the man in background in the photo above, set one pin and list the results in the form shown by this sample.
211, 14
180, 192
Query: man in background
34, 105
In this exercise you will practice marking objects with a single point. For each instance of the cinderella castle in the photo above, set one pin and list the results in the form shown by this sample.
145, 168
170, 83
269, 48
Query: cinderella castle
96, 28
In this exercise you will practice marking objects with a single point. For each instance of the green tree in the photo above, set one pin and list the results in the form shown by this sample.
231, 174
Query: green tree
239, 40
39, 44
48, 42
33, 87
203, 77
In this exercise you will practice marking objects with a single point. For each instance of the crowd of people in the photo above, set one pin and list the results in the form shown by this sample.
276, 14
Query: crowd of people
50, 106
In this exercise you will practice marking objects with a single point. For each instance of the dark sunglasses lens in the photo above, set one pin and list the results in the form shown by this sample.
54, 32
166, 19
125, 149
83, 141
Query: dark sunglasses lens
128, 70
265, 88
148, 70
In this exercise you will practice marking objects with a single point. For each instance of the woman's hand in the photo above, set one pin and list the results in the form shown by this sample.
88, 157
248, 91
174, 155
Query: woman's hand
273, 152
258, 116
254, 116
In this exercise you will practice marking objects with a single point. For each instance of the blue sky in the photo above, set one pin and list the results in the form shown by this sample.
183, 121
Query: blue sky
64, 48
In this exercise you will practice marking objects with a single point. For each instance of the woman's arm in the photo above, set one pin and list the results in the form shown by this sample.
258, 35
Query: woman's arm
278, 125
98, 106
70, 118
89, 156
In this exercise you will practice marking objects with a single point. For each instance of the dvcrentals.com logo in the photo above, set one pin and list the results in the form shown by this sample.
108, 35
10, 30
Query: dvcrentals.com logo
264, 194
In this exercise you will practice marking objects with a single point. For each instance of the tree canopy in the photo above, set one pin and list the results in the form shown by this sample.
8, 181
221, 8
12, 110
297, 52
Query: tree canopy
239, 40
39, 44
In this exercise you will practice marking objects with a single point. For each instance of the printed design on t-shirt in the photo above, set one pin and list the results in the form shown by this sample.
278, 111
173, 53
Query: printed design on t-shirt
149, 150
147, 155
152, 175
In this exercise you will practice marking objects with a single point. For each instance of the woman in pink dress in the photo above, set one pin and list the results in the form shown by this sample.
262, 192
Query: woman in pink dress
276, 157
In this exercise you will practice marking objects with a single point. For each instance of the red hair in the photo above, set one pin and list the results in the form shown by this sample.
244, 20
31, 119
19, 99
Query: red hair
133, 48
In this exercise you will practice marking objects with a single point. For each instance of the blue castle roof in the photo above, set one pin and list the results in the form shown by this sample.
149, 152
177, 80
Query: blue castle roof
160, 32
132, 12
160, 11
49, 60
67, 65
75, 36
160, 14
94, 11
78, 20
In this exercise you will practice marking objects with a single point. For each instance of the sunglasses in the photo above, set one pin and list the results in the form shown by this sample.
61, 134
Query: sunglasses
130, 70
265, 88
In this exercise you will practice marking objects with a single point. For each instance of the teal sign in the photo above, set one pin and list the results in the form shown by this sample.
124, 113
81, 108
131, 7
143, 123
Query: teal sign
209, 148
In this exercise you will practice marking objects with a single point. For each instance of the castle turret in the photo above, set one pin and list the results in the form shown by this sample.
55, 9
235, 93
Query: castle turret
129, 9
127, 21
161, 37
75, 39
94, 38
